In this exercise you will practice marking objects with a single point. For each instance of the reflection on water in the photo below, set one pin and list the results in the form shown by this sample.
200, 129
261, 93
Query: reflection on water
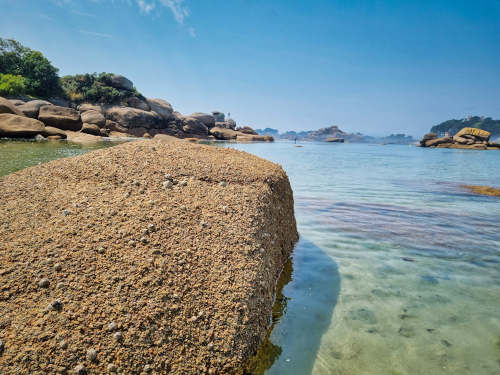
415, 258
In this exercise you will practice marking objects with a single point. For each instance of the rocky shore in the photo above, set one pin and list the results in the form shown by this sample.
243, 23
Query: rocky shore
133, 116
467, 138
156, 256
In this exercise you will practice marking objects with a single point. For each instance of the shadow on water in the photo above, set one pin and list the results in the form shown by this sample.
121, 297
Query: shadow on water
306, 295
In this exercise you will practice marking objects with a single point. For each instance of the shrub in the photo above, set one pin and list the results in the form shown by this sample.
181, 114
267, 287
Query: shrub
40, 77
11, 85
94, 88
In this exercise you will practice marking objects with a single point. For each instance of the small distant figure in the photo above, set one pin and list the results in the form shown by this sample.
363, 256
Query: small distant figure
295, 140
229, 114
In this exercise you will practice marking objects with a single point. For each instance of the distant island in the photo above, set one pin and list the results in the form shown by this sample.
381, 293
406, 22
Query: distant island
336, 133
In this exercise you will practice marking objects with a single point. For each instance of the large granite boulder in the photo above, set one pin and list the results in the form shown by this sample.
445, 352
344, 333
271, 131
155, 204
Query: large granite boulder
205, 118
120, 82
7, 107
193, 125
231, 123
16, 102
247, 130
133, 117
479, 134
91, 129
223, 133
32, 108
93, 117
135, 102
60, 117
15, 126
438, 141
162, 107
84, 107
50, 131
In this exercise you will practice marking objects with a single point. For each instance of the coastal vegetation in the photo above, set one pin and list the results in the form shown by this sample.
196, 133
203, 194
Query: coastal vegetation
480, 122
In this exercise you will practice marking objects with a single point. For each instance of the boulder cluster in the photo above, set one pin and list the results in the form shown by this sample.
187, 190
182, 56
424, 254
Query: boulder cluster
134, 116
468, 138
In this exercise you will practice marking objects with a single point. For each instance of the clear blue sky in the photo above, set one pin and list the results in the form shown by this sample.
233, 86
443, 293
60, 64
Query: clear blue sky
376, 67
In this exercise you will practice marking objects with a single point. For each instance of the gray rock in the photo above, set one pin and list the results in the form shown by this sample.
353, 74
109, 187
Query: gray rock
44, 283
194, 126
205, 118
56, 305
80, 370
162, 107
112, 327
17, 102
32, 108
19, 126
91, 355
121, 82
112, 368
50, 131
91, 129
132, 117
84, 107
93, 117
135, 102
7, 107
118, 336
60, 117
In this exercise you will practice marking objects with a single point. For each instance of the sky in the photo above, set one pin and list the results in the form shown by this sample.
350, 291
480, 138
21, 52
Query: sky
375, 67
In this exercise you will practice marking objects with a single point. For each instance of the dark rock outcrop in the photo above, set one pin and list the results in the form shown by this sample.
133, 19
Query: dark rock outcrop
120, 82
60, 117
205, 118
193, 125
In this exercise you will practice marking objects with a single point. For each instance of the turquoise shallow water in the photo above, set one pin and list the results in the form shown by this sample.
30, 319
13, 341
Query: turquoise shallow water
398, 268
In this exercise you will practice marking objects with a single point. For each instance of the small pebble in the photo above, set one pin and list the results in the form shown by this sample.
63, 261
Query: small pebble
60, 285
131, 243
80, 370
2, 346
223, 183
57, 267
225, 209
144, 240
153, 148
118, 336
152, 228
168, 176
112, 326
184, 183
56, 305
112, 368
63, 345
44, 283
91, 355
147, 369
168, 184
204, 224
127, 194
151, 202
66, 212
137, 183
142, 191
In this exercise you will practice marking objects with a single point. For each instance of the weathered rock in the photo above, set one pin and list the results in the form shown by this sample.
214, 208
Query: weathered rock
225, 125
247, 130
205, 118
494, 144
231, 123
192, 125
121, 82
427, 137
162, 107
115, 127
478, 133
17, 102
462, 140
7, 107
32, 108
61, 102
93, 117
19, 126
89, 107
91, 129
50, 131
135, 102
223, 133
132, 117
335, 140
182, 292
438, 141
242, 137
60, 117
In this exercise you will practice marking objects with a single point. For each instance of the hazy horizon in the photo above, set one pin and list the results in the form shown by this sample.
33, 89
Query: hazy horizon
371, 67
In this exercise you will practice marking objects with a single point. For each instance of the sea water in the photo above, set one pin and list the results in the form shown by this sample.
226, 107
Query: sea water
397, 270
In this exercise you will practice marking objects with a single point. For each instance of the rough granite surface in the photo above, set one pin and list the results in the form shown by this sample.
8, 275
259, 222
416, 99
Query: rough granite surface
106, 267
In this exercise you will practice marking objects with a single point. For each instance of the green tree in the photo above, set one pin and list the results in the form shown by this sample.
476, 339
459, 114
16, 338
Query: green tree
11, 85
41, 77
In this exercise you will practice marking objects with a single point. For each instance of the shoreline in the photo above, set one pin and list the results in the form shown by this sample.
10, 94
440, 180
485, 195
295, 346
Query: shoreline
189, 280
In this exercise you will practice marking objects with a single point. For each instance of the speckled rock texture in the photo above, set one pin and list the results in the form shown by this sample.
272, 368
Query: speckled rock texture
105, 267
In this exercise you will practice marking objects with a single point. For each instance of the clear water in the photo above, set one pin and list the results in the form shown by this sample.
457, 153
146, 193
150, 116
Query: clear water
398, 267
16, 155
397, 271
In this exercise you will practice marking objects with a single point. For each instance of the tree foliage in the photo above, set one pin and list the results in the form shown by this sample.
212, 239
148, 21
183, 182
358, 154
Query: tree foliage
11, 85
94, 88
40, 76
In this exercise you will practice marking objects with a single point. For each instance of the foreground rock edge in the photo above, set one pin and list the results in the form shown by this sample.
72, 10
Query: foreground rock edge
192, 295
